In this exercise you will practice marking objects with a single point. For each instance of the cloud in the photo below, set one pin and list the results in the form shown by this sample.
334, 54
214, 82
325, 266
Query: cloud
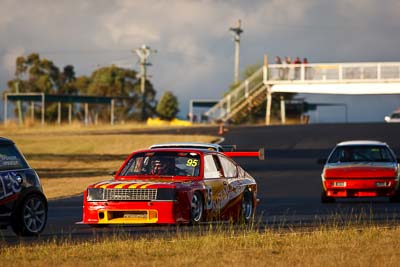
195, 48
8, 60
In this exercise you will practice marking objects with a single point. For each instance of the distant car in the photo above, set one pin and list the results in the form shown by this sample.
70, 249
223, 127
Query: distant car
360, 169
22, 202
172, 186
394, 117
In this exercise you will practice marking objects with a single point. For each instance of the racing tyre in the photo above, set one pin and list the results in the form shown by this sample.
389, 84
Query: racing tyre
247, 208
326, 199
30, 216
196, 208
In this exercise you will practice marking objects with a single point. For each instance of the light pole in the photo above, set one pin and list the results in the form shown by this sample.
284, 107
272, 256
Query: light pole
236, 31
143, 52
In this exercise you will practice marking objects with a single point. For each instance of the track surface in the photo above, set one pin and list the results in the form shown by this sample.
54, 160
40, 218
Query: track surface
289, 180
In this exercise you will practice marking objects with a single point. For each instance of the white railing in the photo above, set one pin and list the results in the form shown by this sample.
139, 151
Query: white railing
304, 74
343, 72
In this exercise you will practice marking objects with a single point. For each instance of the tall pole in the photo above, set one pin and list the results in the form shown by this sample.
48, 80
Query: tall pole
43, 108
236, 33
283, 110
112, 111
268, 107
143, 52
86, 114
5, 108
19, 105
32, 111
59, 113
70, 113
143, 88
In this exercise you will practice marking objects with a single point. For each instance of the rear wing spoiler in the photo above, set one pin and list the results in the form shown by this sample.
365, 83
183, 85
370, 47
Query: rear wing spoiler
260, 154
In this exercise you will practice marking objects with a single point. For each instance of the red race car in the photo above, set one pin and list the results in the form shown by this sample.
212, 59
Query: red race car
360, 169
173, 186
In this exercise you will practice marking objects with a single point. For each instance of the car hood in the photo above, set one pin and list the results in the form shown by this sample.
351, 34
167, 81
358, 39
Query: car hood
360, 170
139, 184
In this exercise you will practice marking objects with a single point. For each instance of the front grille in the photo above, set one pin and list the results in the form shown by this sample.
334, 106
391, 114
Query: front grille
130, 194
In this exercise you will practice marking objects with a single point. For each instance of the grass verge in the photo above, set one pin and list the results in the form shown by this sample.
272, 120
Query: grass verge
370, 246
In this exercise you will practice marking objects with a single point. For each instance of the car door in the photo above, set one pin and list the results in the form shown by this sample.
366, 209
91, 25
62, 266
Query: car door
233, 185
215, 184
12, 166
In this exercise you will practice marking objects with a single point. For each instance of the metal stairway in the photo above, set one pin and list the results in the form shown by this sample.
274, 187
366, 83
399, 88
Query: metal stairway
238, 103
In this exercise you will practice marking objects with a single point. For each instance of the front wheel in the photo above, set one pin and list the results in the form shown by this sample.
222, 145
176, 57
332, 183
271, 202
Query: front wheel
247, 208
30, 216
196, 208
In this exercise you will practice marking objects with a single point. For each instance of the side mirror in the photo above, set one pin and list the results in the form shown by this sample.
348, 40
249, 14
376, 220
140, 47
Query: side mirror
321, 161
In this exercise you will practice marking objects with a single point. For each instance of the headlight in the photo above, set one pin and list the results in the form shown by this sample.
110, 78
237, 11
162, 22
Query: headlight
95, 194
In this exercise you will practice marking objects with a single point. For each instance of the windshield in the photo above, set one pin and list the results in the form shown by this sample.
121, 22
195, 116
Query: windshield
163, 164
361, 154
10, 159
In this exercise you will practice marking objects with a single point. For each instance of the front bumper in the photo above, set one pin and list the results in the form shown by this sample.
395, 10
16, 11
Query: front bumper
124, 212
360, 187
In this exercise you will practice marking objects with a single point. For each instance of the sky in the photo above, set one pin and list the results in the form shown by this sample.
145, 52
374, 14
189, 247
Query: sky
195, 50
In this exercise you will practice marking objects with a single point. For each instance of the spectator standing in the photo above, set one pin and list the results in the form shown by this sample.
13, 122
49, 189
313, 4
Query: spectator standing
286, 65
306, 69
297, 67
278, 61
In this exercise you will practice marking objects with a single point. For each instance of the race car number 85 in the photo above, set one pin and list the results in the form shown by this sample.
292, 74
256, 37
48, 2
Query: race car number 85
192, 162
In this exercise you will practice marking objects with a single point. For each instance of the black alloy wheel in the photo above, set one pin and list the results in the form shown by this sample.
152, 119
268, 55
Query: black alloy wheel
196, 208
31, 216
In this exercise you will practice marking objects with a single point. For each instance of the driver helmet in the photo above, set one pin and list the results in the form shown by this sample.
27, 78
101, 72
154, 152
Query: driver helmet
162, 166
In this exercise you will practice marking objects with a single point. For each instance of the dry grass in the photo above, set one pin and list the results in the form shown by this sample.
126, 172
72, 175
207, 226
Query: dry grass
75, 127
69, 158
371, 246
78, 128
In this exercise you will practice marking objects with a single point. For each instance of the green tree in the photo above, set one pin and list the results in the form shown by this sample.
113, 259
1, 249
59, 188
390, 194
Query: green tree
33, 74
67, 81
81, 84
116, 81
167, 107
36, 74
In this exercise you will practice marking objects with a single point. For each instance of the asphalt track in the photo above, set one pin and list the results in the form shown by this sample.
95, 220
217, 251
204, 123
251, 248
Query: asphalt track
289, 183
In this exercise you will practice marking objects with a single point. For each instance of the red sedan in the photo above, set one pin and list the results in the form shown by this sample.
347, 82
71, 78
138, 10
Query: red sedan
361, 169
171, 186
